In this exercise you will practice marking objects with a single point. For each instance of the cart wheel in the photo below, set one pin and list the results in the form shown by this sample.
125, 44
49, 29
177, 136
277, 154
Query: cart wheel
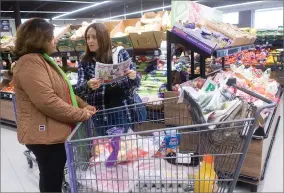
30, 162
253, 188
66, 187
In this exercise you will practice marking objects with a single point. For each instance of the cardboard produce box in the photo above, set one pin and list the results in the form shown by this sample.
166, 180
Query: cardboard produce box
65, 45
175, 114
79, 45
146, 40
110, 25
161, 17
118, 35
139, 37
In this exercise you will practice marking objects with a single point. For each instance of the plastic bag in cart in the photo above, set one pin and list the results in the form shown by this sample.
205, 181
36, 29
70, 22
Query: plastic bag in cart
128, 148
138, 174
102, 179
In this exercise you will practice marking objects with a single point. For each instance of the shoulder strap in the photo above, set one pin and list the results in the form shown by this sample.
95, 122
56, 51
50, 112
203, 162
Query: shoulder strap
115, 52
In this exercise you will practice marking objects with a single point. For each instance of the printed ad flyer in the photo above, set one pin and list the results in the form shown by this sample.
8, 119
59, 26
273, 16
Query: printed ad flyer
111, 72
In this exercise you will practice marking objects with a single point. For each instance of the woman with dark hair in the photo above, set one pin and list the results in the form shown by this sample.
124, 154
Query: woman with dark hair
99, 48
47, 108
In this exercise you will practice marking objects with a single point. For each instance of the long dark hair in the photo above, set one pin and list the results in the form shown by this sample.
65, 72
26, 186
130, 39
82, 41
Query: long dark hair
104, 53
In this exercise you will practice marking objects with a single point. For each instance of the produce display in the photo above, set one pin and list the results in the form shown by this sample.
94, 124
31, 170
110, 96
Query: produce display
154, 78
150, 21
183, 63
7, 43
261, 56
252, 78
79, 33
8, 88
271, 33
256, 80
213, 35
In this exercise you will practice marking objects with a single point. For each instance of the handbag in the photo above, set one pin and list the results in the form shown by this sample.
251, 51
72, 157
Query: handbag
114, 95
139, 111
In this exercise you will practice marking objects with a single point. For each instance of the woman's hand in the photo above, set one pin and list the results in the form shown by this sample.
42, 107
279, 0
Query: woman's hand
94, 83
90, 111
131, 74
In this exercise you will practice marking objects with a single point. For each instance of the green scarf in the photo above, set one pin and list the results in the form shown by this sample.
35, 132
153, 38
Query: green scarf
55, 65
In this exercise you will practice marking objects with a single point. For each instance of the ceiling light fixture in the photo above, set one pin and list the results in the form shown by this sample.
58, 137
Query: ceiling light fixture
43, 12
35, 11
159, 8
63, 19
90, 2
78, 10
136, 12
235, 5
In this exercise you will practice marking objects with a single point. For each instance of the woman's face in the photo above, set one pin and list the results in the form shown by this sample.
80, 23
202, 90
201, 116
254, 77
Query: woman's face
92, 40
51, 46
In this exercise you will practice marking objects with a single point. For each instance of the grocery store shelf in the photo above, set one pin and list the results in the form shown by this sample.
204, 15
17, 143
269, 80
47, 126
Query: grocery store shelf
8, 122
271, 42
70, 69
6, 95
229, 51
143, 52
67, 54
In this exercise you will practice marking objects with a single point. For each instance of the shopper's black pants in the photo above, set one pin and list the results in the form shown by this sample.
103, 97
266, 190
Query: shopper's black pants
51, 161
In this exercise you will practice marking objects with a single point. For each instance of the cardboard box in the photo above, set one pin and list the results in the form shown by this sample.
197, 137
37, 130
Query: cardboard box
143, 40
110, 25
123, 41
175, 114
79, 45
65, 45
146, 40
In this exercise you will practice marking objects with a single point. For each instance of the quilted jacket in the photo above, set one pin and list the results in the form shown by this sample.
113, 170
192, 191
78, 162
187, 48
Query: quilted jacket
44, 115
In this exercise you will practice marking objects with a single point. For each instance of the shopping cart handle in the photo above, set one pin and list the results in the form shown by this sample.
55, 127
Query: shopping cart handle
233, 82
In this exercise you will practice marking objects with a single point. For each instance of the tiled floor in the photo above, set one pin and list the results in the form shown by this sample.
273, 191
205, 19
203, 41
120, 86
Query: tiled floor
16, 176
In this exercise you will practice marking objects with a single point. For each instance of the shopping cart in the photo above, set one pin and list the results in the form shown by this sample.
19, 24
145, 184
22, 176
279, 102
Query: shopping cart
138, 161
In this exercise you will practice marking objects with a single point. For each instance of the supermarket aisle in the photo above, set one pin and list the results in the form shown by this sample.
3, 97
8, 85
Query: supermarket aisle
16, 176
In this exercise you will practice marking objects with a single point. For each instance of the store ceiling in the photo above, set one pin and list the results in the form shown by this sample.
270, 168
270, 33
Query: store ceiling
52, 8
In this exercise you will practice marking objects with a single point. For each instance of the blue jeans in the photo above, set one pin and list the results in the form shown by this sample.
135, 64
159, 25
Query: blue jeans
104, 121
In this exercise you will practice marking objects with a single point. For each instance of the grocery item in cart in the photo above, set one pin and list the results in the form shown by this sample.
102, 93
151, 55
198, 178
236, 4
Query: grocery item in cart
123, 149
170, 144
206, 176
136, 176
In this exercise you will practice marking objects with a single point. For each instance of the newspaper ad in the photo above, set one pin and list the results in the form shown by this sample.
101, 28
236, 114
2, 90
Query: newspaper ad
111, 72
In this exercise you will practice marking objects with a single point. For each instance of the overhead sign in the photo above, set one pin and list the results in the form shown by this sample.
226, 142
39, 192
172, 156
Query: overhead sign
5, 26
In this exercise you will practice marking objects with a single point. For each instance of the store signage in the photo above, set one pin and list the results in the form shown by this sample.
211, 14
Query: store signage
192, 12
4, 26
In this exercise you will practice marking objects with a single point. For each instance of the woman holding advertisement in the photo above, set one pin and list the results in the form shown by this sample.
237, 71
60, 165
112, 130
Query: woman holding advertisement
122, 92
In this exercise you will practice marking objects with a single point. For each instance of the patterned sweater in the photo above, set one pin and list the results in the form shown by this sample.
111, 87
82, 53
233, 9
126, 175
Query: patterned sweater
86, 71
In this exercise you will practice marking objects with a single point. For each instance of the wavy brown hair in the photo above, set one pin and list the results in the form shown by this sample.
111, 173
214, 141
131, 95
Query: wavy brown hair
32, 36
104, 53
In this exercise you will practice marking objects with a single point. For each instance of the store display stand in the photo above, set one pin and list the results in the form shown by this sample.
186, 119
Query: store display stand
64, 56
254, 167
173, 38
7, 110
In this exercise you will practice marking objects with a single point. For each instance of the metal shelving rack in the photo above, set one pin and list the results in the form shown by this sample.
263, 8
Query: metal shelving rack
173, 38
